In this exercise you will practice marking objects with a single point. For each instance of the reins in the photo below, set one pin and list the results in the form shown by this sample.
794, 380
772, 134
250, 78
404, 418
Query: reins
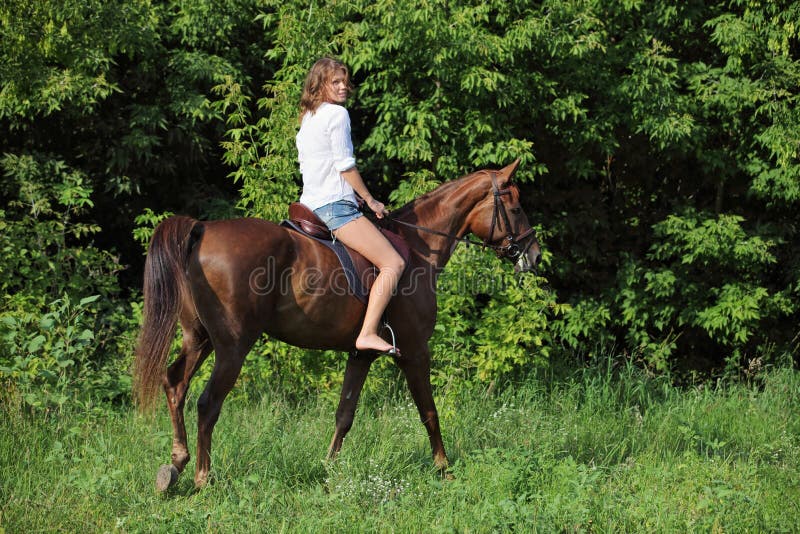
512, 250
454, 237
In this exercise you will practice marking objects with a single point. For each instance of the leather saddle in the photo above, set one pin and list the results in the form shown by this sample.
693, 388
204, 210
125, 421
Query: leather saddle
307, 222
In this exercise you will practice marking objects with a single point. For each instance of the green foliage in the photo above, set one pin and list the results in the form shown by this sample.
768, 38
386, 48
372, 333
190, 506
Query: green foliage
146, 223
105, 114
444, 89
755, 89
659, 145
121, 92
490, 322
59, 55
680, 246
46, 202
49, 356
584, 326
57, 316
701, 283
266, 178
424, 128
294, 371
428, 109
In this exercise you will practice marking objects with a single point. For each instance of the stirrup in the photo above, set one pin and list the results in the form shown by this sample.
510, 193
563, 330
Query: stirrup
393, 351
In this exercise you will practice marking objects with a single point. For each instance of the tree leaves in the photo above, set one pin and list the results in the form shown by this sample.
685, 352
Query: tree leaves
660, 147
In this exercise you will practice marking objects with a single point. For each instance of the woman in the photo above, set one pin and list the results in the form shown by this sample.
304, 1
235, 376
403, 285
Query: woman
330, 182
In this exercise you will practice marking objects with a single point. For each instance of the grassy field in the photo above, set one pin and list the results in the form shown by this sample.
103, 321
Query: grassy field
592, 451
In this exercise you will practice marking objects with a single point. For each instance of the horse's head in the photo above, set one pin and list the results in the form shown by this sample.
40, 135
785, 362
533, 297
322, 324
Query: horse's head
501, 223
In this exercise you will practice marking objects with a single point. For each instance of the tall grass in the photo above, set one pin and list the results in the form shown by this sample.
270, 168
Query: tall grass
602, 449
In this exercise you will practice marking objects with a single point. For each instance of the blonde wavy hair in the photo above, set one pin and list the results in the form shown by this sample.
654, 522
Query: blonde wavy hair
315, 86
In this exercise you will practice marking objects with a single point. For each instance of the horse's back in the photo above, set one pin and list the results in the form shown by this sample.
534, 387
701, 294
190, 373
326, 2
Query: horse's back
231, 233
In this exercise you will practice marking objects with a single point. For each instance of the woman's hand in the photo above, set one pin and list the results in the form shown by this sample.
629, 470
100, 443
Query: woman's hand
353, 177
377, 207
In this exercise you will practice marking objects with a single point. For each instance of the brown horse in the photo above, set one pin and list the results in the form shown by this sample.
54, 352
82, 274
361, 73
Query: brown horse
227, 282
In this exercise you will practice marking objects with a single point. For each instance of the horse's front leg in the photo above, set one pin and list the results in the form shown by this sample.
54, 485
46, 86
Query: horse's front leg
355, 374
417, 369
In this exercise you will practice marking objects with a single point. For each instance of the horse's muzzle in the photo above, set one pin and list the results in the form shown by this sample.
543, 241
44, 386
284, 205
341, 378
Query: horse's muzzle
528, 260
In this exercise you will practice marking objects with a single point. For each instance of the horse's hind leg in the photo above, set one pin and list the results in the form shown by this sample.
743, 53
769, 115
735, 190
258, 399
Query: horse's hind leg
354, 376
194, 350
226, 370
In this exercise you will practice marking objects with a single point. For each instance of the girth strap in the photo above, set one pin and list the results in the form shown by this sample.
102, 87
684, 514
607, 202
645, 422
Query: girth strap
359, 271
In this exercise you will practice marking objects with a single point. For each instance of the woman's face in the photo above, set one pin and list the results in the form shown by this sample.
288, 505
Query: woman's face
336, 89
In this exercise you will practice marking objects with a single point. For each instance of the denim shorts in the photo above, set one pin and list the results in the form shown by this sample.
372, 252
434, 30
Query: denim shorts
337, 214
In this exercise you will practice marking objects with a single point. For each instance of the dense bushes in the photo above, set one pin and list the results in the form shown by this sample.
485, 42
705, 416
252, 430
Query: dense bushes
659, 143
660, 155
63, 325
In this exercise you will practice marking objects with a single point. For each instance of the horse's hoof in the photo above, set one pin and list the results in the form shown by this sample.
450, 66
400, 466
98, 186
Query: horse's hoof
167, 476
200, 483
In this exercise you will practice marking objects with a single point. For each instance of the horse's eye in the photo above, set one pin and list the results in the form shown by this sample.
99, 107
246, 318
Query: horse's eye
516, 211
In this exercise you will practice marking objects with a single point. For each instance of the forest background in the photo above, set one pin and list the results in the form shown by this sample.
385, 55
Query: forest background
660, 156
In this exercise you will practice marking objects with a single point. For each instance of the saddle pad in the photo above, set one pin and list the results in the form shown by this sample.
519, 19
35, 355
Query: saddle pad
353, 276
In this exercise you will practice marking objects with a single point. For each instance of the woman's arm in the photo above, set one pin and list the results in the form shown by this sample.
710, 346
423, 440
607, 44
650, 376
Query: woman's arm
353, 177
343, 160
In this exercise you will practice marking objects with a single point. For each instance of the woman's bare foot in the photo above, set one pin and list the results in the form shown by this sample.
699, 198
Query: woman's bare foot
376, 343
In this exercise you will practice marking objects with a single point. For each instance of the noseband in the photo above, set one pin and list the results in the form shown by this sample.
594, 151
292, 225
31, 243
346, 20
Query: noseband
511, 249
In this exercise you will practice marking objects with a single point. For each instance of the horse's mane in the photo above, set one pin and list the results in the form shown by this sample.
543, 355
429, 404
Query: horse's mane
441, 190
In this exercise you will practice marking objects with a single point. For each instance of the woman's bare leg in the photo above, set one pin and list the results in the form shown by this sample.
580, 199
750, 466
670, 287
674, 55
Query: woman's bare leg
363, 237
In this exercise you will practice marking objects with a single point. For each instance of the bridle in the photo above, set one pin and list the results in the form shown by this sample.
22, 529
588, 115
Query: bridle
511, 249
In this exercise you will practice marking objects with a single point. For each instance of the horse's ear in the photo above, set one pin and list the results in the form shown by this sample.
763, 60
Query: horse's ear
509, 170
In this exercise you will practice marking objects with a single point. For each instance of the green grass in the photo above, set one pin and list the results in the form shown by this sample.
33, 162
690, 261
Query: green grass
596, 451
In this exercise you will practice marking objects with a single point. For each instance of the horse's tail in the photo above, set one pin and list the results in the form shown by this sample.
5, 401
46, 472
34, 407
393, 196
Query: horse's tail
165, 285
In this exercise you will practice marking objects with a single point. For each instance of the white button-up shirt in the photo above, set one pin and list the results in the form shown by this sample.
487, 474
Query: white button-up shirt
325, 150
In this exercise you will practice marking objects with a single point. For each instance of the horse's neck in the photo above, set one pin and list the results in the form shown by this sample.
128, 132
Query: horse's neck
445, 210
